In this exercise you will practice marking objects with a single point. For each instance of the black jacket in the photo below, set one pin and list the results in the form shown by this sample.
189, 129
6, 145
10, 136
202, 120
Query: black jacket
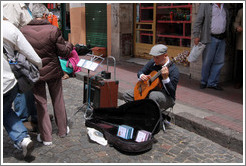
173, 76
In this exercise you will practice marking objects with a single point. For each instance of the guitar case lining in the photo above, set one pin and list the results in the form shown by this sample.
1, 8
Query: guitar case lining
141, 115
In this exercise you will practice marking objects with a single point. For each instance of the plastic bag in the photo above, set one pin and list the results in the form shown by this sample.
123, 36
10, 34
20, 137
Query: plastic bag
196, 51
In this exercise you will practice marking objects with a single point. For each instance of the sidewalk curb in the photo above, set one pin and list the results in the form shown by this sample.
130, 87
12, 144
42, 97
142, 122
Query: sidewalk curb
225, 137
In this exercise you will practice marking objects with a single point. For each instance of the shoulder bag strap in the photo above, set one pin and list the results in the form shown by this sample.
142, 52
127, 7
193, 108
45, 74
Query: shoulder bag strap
6, 54
8, 58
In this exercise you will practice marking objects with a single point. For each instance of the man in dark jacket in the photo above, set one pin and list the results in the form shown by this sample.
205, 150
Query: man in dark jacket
49, 44
169, 77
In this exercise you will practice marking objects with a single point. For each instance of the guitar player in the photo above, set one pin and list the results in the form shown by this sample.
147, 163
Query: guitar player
164, 94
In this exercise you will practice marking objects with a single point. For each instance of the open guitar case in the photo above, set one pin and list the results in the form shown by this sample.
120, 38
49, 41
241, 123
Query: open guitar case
141, 115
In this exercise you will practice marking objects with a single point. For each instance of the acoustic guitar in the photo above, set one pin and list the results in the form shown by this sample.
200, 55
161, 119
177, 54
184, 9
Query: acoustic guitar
142, 88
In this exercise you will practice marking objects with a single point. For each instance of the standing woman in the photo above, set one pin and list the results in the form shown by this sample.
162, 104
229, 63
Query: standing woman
49, 44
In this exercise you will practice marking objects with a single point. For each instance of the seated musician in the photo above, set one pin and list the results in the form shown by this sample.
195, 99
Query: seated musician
164, 94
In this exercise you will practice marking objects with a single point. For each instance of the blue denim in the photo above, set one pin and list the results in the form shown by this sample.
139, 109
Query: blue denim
24, 105
12, 123
213, 61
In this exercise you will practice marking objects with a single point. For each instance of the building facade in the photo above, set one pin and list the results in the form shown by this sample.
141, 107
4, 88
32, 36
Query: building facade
132, 29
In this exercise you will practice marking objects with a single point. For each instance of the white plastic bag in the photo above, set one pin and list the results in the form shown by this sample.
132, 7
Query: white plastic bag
196, 51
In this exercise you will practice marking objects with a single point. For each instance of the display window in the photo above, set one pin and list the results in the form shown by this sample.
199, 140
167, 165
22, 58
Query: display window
162, 23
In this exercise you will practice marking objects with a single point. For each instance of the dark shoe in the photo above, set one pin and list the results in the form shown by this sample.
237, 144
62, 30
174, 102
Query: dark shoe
203, 86
30, 126
217, 87
237, 85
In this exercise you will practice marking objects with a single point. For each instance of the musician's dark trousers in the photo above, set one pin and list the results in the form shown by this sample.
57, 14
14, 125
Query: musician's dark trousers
163, 101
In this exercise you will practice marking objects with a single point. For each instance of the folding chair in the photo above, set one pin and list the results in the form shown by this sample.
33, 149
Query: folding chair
167, 117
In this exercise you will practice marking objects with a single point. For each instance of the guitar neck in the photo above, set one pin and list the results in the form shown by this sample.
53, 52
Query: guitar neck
159, 72
170, 63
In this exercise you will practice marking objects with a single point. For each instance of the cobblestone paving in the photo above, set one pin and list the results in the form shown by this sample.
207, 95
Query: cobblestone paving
175, 146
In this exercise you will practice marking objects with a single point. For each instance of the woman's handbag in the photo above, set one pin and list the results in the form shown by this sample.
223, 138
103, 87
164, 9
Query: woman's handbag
196, 51
26, 73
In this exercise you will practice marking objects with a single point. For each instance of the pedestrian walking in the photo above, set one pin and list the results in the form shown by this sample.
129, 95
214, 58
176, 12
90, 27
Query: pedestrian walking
24, 103
13, 40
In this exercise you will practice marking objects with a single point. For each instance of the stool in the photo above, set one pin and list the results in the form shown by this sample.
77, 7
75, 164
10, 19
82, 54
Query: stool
167, 117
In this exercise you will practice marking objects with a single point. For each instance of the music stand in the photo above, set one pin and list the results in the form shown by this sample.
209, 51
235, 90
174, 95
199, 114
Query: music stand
90, 65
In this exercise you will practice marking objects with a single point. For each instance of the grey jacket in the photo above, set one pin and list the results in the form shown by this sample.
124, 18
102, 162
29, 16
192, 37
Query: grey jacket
202, 25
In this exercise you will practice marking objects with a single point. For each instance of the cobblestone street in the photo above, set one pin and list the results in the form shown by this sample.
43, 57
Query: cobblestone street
175, 146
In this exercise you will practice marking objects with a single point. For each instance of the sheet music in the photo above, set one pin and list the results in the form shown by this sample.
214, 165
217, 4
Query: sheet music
81, 62
90, 64
87, 64
93, 66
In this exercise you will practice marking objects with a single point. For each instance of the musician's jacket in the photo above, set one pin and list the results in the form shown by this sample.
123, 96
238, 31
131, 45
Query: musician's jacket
170, 84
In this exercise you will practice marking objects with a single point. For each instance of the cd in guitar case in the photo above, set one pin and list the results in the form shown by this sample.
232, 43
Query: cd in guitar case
141, 115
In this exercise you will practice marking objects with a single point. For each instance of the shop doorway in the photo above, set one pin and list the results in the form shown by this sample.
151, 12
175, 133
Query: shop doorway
96, 24
65, 20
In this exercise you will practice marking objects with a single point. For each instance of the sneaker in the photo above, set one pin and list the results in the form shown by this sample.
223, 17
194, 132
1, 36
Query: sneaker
68, 130
27, 147
44, 142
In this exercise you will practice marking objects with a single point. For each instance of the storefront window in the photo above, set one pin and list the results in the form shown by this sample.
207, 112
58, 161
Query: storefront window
171, 24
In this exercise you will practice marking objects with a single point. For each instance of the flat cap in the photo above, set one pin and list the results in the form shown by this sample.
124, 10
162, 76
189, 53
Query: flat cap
158, 49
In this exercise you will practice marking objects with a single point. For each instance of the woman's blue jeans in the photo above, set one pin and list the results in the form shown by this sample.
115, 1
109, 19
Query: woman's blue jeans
213, 61
12, 123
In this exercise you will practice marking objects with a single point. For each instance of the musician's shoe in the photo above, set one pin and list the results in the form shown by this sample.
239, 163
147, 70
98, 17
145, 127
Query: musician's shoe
203, 86
217, 87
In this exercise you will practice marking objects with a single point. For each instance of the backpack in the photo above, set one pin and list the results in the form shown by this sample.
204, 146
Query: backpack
141, 115
73, 59
82, 49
